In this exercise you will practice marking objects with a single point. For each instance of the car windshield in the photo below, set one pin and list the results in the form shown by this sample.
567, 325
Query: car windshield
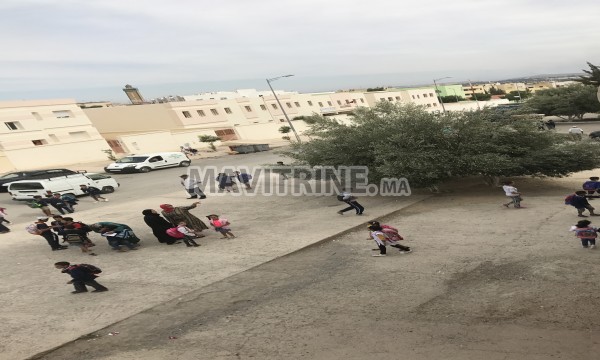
97, 176
132, 159
9, 176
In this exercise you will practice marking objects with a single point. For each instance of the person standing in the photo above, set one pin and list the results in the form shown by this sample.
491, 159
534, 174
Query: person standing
225, 182
349, 199
81, 275
192, 187
244, 179
94, 192
59, 204
576, 132
221, 225
591, 186
159, 226
550, 124
513, 194
177, 214
586, 233
42, 204
3, 229
580, 202
46, 232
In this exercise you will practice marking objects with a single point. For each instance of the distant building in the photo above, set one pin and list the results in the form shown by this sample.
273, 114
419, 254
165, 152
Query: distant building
134, 95
39, 134
451, 90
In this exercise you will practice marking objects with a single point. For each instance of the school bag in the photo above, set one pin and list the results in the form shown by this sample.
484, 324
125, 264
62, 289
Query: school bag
34, 205
32, 229
569, 199
586, 233
173, 232
90, 268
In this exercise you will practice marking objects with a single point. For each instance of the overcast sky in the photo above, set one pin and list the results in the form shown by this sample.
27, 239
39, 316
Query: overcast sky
89, 49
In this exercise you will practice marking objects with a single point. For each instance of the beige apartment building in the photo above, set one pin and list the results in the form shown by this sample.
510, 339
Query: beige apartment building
38, 134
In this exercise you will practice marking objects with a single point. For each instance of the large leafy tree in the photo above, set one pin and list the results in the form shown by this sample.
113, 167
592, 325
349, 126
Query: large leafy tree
593, 76
570, 102
427, 149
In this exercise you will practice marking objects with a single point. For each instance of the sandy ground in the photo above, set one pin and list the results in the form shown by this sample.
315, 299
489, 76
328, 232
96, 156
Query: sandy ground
484, 282
39, 313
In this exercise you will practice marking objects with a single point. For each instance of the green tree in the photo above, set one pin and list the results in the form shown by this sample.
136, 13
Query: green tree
285, 130
518, 95
451, 99
570, 102
593, 76
496, 91
427, 149
210, 139
375, 89
481, 97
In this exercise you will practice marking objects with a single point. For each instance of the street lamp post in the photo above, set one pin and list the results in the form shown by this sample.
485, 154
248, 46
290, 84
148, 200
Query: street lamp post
281, 107
518, 91
474, 95
437, 92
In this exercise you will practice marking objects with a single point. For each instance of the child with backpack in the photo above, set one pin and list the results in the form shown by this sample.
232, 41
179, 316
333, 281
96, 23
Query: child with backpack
513, 194
580, 202
390, 236
184, 233
591, 186
221, 225
586, 233
82, 275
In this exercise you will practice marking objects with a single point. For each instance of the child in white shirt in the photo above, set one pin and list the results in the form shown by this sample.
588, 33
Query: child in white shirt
188, 234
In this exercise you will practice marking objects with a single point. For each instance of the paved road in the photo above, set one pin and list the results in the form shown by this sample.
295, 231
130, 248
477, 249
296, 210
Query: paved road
136, 186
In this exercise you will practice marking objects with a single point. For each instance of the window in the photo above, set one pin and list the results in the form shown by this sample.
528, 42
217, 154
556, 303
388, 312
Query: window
201, 113
155, 159
434, 104
309, 103
248, 108
397, 98
281, 120
390, 98
362, 100
186, 114
274, 106
339, 102
428, 105
297, 104
430, 94
62, 114
214, 111
382, 99
227, 111
36, 116
329, 103
418, 97
413, 96
79, 135
424, 95
13, 125
288, 105
39, 142
262, 107
320, 104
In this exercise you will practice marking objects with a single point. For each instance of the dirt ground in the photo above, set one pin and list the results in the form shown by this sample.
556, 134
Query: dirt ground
483, 282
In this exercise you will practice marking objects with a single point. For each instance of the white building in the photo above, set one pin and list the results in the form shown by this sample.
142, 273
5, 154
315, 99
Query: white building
38, 134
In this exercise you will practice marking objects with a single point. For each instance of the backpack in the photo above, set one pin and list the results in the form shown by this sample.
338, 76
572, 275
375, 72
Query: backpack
32, 229
84, 227
586, 233
340, 197
90, 268
172, 232
569, 199
34, 205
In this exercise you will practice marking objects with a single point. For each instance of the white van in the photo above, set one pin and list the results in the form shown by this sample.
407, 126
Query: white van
146, 162
27, 189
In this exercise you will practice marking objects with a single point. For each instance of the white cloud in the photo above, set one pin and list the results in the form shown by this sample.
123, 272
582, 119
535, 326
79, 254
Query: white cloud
90, 43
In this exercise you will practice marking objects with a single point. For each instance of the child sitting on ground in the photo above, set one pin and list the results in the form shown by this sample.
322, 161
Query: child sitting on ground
220, 225
188, 234
586, 233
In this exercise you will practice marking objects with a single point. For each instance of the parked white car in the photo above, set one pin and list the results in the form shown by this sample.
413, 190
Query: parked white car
70, 184
147, 162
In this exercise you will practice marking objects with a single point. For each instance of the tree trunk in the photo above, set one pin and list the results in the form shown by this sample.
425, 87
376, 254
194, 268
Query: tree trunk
492, 180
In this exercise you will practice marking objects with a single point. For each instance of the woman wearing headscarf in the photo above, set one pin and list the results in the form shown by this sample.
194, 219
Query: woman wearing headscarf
175, 215
159, 226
